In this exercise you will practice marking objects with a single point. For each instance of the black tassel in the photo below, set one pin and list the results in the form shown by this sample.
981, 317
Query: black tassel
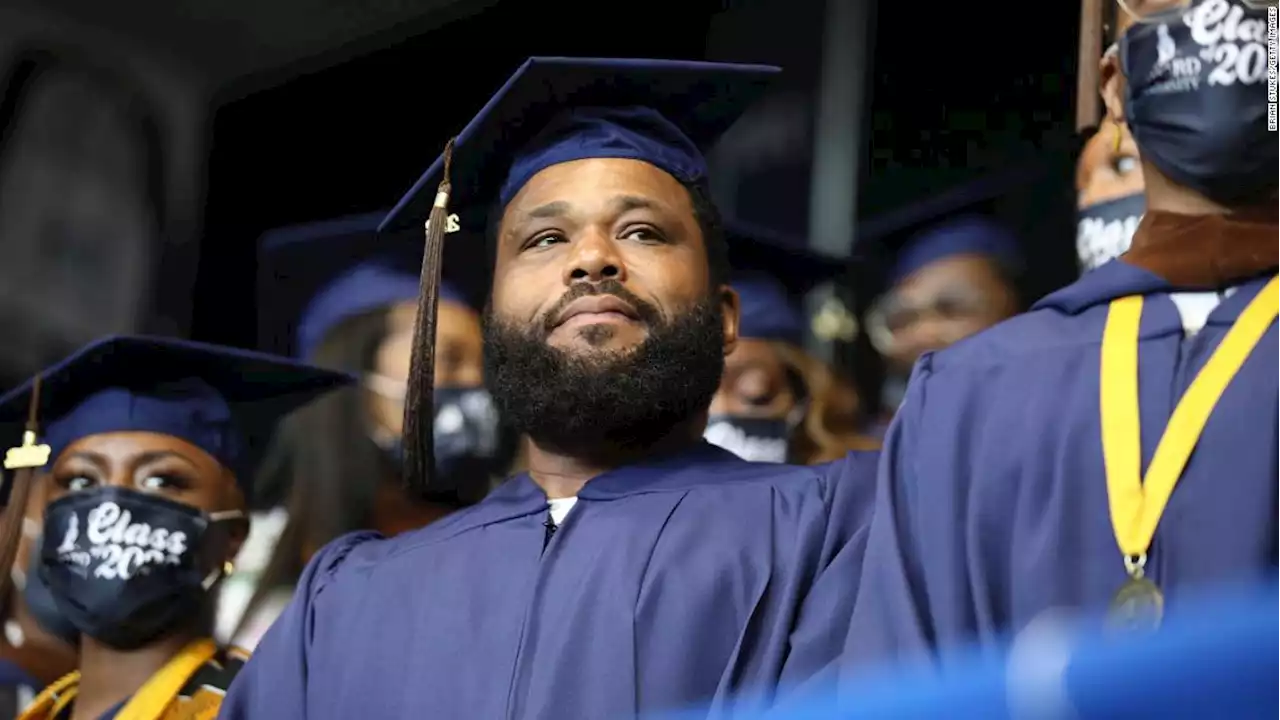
419, 406
22, 463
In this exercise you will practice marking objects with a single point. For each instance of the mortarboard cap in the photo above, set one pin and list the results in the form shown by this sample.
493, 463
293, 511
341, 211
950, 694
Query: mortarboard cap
972, 234
950, 223
315, 276
223, 400
772, 274
555, 110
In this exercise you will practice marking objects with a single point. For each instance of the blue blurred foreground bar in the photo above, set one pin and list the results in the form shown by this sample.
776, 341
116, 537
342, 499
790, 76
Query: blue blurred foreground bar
1216, 658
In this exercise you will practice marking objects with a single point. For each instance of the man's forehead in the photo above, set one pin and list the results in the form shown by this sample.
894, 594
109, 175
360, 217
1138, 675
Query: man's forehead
597, 185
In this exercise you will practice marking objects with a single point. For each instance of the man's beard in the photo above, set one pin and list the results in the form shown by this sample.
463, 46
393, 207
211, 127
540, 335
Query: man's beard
589, 400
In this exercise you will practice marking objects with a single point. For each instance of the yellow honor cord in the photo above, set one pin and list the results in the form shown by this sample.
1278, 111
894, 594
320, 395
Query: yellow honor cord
1137, 504
153, 698
150, 702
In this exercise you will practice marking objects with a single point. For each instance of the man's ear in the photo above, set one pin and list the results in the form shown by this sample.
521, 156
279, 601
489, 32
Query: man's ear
730, 312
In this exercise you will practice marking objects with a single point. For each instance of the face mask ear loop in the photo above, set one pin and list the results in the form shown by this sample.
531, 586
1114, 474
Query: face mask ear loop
227, 567
213, 577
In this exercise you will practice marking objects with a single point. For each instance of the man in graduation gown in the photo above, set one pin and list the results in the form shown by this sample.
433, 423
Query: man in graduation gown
1115, 447
634, 567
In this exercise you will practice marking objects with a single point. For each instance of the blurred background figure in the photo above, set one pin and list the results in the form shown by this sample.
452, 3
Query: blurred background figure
343, 297
1164, 482
952, 271
776, 402
149, 448
1109, 183
197, 111
1109, 189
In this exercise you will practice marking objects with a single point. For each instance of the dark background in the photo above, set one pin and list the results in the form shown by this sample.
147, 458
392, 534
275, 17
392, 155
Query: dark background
262, 115
953, 95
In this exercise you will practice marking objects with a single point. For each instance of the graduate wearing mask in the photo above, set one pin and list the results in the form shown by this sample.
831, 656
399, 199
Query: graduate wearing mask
149, 447
1110, 201
634, 567
339, 295
952, 273
1114, 448
772, 402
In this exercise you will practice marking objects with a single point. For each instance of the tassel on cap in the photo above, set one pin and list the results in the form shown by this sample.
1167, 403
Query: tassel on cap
29, 454
419, 406
21, 461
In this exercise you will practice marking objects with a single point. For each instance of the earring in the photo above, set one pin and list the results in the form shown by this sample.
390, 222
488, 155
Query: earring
228, 568
1119, 137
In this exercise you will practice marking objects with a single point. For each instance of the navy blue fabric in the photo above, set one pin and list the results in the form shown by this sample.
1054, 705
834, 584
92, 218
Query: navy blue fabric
634, 133
991, 499
772, 273
666, 112
1198, 117
767, 312
315, 276
690, 578
963, 235
223, 400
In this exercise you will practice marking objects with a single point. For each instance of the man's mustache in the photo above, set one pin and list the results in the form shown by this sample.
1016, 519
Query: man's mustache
648, 314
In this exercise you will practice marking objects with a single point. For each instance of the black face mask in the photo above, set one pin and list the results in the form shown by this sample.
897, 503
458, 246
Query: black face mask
472, 446
42, 606
124, 567
1196, 101
754, 439
1104, 230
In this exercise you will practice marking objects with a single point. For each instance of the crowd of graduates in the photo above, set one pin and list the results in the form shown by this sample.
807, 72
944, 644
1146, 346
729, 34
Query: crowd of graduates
543, 440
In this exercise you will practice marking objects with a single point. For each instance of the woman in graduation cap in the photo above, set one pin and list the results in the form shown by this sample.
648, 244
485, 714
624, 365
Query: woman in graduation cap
339, 295
147, 447
772, 403
1114, 449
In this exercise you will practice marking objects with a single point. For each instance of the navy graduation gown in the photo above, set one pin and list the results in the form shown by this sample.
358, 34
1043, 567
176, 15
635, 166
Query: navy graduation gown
991, 501
681, 581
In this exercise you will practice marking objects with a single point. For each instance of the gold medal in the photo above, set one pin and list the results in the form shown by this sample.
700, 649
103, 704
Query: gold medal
1138, 605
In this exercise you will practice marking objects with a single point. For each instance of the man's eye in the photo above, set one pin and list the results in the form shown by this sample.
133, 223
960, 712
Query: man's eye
645, 235
545, 240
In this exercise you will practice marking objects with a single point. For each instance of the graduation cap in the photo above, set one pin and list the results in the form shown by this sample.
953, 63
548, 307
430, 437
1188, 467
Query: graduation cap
223, 400
554, 110
948, 224
316, 275
772, 274
551, 111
